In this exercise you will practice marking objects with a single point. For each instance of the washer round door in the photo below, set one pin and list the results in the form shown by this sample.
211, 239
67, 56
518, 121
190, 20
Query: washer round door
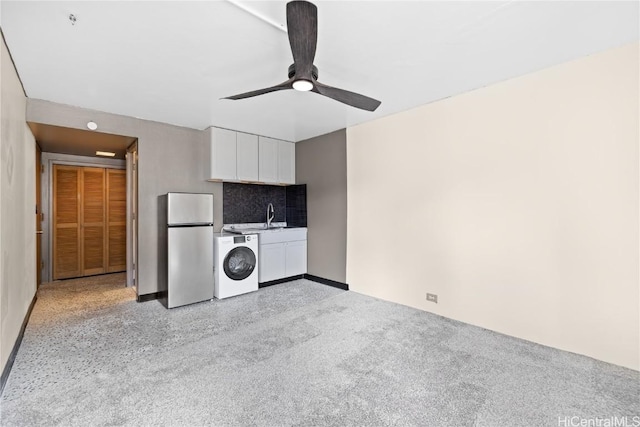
239, 263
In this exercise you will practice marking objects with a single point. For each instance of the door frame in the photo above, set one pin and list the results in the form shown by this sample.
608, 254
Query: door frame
48, 161
39, 227
132, 213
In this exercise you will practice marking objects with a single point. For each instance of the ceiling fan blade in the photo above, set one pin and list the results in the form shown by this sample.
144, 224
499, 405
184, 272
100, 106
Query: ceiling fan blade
302, 25
281, 86
346, 97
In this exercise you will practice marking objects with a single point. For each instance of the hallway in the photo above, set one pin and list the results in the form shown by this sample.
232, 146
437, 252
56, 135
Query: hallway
67, 335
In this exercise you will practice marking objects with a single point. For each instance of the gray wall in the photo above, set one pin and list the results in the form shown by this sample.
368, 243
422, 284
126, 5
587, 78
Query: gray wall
321, 163
17, 215
171, 158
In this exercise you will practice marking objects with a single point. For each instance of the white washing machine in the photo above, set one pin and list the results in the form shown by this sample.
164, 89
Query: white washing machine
235, 265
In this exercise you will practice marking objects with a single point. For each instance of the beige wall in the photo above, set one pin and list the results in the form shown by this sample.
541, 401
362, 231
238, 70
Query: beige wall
517, 204
17, 208
321, 163
171, 158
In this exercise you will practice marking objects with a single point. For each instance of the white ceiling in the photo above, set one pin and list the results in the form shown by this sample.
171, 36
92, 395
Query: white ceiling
172, 61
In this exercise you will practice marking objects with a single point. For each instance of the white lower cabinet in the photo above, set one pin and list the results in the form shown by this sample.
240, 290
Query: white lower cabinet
272, 263
282, 254
295, 254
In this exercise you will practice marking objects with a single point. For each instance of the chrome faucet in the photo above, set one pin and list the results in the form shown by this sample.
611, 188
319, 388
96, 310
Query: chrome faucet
270, 214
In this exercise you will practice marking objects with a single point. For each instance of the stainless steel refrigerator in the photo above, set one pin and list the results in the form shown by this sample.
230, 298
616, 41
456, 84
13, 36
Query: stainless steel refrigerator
186, 240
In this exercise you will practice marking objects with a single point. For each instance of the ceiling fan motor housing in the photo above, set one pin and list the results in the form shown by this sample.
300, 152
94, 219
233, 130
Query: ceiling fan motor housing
292, 71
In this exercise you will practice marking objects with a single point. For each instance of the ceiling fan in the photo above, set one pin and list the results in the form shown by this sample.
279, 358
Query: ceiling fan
302, 23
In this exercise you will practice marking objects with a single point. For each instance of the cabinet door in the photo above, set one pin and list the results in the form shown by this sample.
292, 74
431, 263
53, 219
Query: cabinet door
247, 157
271, 265
286, 162
223, 154
296, 258
268, 159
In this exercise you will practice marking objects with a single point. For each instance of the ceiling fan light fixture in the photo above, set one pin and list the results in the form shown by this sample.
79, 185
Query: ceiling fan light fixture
303, 85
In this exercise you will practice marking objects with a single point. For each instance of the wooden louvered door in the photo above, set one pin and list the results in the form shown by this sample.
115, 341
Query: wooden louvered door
89, 221
93, 227
116, 220
67, 261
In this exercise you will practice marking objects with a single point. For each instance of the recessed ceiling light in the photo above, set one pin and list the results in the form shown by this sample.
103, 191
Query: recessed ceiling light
92, 125
105, 153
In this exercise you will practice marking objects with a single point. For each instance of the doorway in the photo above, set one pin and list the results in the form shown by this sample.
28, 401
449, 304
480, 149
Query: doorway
77, 147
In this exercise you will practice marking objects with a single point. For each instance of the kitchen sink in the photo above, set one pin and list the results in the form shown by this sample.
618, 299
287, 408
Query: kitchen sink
258, 230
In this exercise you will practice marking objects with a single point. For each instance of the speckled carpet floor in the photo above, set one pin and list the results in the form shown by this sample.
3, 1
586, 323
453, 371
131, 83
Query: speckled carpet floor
295, 354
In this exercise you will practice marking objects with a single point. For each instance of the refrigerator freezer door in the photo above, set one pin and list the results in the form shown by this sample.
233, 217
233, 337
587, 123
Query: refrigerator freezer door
190, 260
186, 208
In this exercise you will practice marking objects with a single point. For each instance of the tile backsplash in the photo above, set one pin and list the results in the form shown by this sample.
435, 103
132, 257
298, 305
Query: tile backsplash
296, 203
242, 203
247, 203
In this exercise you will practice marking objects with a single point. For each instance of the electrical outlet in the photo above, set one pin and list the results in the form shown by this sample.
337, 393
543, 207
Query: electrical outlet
432, 298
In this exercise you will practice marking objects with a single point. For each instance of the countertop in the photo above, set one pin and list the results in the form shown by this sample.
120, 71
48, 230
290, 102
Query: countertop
258, 228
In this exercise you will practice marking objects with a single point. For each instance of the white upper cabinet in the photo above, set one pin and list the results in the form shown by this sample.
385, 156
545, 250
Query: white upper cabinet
238, 156
223, 154
286, 162
268, 159
247, 157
